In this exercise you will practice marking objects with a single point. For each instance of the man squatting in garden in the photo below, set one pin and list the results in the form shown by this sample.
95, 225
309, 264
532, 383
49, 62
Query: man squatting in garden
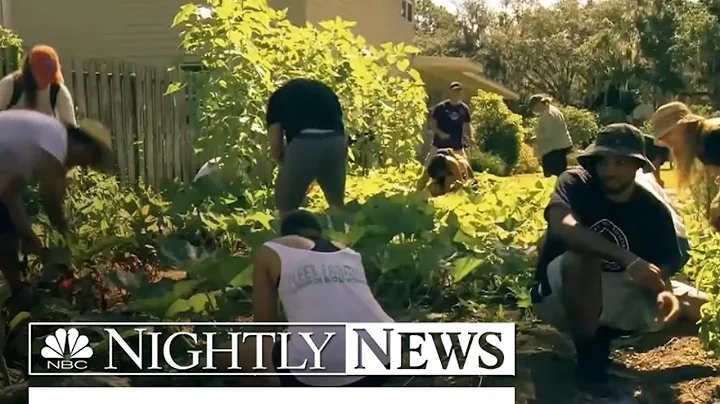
611, 247
36, 148
307, 139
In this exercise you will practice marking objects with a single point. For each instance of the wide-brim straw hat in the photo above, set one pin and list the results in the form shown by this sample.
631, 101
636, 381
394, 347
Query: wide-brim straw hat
669, 116
100, 135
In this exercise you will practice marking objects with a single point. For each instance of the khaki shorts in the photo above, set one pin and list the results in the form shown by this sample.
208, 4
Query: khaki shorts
625, 306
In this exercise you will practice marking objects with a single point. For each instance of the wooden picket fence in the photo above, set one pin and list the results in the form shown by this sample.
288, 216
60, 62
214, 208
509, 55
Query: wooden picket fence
153, 133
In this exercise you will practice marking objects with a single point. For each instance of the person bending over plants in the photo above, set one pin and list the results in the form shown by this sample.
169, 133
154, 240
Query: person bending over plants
610, 249
447, 172
692, 139
294, 270
307, 139
38, 149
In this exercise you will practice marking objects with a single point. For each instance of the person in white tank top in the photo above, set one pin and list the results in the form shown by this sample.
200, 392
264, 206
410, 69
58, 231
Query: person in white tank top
316, 280
36, 148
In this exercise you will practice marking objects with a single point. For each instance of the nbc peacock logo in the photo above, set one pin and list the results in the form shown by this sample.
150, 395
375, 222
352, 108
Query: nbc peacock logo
67, 350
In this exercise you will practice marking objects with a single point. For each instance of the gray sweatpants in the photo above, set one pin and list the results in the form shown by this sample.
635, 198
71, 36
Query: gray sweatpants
312, 158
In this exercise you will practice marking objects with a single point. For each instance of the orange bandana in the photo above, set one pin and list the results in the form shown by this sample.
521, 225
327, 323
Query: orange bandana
45, 66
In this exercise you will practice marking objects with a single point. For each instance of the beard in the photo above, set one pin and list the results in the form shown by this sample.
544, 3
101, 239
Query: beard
613, 186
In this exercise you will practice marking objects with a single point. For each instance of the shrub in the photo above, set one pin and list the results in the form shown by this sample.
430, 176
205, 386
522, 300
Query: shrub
10, 39
647, 127
248, 49
708, 111
582, 125
609, 115
497, 128
529, 123
487, 162
528, 163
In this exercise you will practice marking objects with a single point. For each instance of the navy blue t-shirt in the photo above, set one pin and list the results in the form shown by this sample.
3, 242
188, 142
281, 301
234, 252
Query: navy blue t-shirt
450, 119
642, 225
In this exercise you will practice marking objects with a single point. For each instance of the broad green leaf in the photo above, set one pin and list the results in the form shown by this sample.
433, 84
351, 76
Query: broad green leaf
159, 305
197, 303
403, 64
244, 278
186, 11
20, 319
463, 267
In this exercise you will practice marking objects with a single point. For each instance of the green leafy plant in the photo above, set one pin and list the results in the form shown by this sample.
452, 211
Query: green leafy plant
10, 39
249, 49
499, 130
528, 163
582, 125
487, 162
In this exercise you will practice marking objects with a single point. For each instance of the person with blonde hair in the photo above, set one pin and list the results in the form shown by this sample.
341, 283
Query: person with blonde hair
39, 85
694, 141
552, 139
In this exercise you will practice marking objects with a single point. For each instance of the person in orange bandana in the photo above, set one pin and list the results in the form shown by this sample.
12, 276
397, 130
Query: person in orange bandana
39, 85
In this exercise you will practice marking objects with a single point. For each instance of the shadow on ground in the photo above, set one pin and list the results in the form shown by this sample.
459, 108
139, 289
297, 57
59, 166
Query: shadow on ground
663, 369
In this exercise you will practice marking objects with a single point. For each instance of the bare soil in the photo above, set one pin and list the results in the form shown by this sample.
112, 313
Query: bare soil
663, 368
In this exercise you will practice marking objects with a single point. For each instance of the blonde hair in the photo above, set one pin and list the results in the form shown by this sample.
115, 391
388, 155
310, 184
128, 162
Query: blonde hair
688, 165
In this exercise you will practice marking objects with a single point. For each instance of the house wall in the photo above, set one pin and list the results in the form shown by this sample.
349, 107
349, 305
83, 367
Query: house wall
130, 30
296, 10
379, 21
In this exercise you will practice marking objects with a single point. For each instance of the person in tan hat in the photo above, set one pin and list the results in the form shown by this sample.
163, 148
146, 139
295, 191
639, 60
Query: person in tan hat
692, 139
610, 249
37, 149
552, 139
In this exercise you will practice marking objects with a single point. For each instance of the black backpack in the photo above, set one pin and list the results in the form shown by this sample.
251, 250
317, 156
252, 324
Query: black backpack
19, 88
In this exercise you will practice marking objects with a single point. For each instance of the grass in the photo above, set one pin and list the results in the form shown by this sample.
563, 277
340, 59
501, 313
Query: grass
667, 174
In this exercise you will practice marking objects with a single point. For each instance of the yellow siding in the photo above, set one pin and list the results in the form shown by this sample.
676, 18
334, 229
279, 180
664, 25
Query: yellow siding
139, 30
129, 30
296, 9
379, 21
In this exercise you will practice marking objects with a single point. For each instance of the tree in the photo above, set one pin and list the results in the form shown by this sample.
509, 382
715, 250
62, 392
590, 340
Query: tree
539, 49
438, 32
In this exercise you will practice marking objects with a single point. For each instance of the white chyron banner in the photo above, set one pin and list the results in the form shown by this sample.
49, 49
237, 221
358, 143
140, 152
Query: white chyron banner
327, 395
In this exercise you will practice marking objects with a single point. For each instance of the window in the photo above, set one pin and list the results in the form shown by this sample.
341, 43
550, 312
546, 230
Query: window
407, 11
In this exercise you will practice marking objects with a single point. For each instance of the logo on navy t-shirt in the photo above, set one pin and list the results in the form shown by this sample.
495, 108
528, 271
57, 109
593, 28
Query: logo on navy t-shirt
611, 232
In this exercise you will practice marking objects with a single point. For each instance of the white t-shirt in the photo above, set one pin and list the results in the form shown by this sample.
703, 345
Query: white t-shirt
24, 136
64, 108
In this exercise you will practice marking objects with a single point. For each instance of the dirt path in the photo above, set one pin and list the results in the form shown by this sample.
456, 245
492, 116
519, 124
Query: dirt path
664, 370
